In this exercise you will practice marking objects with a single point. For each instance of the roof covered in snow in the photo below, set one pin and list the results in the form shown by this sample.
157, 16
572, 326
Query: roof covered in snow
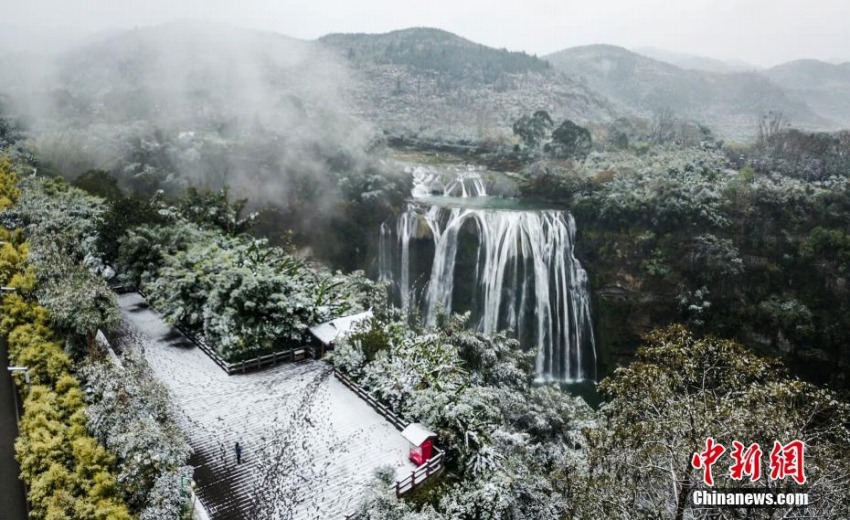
417, 434
328, 332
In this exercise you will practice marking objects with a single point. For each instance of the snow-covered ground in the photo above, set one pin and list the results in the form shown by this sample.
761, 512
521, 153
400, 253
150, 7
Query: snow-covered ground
310, 446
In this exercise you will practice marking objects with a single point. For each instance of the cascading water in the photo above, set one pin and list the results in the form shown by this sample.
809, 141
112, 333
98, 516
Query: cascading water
516, 268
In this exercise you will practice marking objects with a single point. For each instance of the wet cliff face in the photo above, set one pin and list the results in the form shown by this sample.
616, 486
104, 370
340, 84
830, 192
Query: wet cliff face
626, 302
642, 279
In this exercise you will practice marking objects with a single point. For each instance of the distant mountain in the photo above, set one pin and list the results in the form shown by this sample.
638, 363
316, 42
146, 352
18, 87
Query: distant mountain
218, 79
809, 74
435, 50
824, 86
694, 62
434, 83
730, 103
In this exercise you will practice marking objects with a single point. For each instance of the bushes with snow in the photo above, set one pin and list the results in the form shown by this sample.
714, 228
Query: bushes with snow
134, 460
61, 225
131, 414
673, 191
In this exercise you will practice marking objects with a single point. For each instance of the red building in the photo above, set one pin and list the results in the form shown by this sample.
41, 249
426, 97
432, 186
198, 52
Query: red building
422, 441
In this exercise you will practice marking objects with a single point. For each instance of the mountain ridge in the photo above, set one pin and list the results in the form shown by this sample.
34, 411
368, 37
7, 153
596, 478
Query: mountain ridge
429, 81
731, 103
695, 62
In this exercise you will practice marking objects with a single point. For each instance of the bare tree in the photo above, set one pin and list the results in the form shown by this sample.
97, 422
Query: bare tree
663, 125
769, 127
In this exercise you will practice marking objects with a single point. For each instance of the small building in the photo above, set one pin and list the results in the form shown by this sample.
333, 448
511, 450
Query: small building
327, 333
422, 443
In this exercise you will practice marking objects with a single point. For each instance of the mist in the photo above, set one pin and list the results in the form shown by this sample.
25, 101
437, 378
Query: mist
190, 103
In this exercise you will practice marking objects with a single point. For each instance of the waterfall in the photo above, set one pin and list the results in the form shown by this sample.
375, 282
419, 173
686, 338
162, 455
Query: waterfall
521, 275
464, 184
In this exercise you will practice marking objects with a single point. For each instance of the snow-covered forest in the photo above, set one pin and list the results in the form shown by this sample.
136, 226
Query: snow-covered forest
703, 280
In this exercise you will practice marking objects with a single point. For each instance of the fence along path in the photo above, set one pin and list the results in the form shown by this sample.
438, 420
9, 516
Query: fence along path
340, 442
238, 367
431, 468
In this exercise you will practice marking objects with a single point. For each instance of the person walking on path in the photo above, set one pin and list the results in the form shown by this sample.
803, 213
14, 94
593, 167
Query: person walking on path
238, 449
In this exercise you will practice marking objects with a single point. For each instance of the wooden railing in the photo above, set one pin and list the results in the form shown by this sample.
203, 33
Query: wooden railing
379, 407
248, 365
124, 289
239, 367
432, 467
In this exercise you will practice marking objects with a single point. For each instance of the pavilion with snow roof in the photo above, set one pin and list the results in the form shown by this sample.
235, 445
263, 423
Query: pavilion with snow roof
328, 332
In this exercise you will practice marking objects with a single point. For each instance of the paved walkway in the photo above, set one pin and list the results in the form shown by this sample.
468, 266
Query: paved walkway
310, 446
13, 503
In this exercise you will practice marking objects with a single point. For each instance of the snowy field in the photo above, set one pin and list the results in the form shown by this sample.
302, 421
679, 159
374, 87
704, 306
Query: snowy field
310, 446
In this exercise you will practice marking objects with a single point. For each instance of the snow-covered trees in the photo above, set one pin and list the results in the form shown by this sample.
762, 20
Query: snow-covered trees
134, 459
245, 296
567, 141
570, 140
142, 250
508, 442
131, 414
533, 129
79, 300
61, 223
683, 389
701, 235
52, 210
519, 451
69, 474
669, 191
216, 209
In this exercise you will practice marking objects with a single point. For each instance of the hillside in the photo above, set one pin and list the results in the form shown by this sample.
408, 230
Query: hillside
729, 103
435, 50
429, 82
183, 71
824, 86
694, 62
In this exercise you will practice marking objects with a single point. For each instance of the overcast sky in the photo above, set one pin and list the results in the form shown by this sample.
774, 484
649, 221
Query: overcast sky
762, 32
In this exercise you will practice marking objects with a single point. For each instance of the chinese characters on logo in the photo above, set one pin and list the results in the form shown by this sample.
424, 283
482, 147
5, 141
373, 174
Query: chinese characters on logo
786, 460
